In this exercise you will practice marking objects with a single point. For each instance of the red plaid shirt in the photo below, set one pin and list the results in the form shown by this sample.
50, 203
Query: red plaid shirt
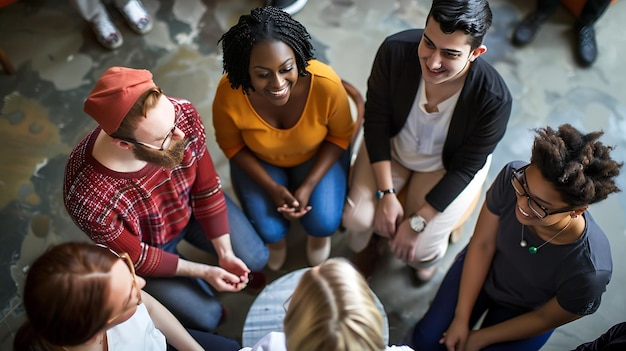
137, 212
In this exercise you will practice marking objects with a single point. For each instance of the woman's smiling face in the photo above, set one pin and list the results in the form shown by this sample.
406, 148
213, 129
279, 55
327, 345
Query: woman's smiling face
273, 71
537, 199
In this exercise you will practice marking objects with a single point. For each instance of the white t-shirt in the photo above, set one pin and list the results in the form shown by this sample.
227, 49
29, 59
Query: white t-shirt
419, 144
275, 341
137, 333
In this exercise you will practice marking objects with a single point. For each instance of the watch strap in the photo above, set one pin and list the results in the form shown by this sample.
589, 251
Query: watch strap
381, 193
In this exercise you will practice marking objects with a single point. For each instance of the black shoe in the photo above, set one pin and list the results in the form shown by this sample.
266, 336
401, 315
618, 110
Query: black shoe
526, 30
587, 47
289, 6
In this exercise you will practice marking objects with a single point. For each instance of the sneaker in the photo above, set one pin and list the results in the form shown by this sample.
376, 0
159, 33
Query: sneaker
526, 30
106, 32
317, 249
278, 254
290, 6
137, 17
587, 48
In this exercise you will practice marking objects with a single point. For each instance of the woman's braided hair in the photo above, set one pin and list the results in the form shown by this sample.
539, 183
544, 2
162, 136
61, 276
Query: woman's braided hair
262, 24
578, 165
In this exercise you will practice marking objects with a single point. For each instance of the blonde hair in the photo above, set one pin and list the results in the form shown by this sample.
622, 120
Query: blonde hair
332, 309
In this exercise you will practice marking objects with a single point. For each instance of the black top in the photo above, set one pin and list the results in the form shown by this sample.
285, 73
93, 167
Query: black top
576, 273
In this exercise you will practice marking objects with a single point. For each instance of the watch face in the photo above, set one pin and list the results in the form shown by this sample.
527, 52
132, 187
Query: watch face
417, 223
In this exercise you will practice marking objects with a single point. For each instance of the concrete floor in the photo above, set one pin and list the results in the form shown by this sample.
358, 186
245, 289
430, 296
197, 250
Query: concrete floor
58, 60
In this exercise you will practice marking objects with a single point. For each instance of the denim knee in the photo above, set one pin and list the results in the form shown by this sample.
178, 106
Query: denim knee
425, 338
189, 299
320, 227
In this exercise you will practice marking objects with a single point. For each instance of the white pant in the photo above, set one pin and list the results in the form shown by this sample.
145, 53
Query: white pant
432, 243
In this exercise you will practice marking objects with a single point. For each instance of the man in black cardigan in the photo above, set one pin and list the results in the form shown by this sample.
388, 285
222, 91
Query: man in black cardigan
435, 112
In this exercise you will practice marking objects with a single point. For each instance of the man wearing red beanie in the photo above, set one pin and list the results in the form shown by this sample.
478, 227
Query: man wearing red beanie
143, 180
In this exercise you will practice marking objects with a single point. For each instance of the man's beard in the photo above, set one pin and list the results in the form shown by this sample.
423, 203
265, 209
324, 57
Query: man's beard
168, 158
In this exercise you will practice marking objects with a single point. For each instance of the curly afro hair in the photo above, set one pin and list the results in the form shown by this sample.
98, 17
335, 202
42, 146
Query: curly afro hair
262, 24
577, 164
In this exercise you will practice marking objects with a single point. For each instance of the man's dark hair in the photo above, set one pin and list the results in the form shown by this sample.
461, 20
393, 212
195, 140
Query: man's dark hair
262, 24
472, 17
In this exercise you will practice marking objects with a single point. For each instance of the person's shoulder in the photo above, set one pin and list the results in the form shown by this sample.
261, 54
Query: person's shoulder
324, 77
181, 102
224, 83
225, 94
515, 164
410, 36
321, 69
599, 243
485, 75
507, 170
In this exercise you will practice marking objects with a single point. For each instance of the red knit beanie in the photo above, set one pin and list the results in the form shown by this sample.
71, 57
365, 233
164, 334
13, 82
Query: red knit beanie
115, 93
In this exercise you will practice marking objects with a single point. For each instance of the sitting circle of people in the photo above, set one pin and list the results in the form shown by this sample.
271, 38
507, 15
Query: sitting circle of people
143, 181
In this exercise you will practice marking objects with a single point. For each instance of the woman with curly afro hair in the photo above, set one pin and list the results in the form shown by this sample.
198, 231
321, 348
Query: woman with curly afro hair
284, 121
537, 259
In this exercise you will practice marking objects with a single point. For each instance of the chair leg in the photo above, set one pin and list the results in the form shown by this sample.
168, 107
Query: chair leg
6, 63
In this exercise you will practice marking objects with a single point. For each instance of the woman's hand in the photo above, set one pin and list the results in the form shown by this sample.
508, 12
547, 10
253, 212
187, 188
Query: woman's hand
455, 338
222, 280
404, 243
235, 265
303, 194
288, 204
389, 213
473, 342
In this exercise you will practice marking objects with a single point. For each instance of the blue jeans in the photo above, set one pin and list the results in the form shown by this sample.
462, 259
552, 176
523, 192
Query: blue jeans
191, 300
327, 199
437, 319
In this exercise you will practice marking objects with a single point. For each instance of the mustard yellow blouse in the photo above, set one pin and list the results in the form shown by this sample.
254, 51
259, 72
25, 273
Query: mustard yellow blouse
326, 116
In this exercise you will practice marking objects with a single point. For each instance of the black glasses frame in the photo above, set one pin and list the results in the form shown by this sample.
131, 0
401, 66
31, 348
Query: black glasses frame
519, 176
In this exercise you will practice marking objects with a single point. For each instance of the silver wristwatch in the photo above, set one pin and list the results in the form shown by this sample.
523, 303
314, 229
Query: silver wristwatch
417, 222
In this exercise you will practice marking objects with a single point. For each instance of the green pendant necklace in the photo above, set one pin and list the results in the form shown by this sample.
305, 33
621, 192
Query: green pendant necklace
532, 249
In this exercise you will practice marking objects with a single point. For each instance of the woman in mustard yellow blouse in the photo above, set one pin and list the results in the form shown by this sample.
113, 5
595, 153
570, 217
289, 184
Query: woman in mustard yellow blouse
283, 119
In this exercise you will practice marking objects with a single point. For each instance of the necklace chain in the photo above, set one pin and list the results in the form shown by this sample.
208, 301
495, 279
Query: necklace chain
532, 249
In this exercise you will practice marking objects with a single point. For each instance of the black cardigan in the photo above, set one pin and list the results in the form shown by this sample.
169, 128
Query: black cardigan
478, 122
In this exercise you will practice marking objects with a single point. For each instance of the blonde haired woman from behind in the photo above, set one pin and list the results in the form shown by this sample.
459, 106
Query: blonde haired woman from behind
331, 309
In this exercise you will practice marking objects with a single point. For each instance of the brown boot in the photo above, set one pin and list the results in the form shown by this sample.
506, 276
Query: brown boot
366, 260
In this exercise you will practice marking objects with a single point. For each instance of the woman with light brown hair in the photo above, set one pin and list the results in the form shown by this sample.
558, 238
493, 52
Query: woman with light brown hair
80, 296
331, 309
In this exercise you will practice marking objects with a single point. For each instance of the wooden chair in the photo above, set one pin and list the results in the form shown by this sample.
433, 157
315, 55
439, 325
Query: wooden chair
358, 112
6, 63
4, 59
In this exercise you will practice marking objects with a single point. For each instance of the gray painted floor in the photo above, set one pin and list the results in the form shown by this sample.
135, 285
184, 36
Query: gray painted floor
58, 60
